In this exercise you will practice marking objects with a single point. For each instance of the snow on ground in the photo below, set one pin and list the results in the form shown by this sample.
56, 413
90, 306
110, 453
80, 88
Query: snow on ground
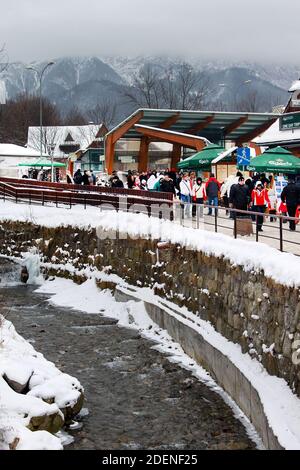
21, 364
282, 267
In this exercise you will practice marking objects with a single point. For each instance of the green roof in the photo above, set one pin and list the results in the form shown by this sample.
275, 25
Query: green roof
216, 125
43, 163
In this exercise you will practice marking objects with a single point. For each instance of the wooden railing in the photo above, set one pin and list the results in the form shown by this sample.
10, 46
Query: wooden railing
30, 183
43, 196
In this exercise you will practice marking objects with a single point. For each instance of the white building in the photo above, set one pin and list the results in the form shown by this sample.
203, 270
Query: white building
64, 140
11, 155
285, 131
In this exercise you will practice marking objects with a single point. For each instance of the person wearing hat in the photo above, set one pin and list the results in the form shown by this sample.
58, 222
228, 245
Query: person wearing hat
260, 200
291, 197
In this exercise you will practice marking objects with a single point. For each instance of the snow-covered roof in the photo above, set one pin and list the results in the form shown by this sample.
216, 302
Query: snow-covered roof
295, 86
274, 135
12, 150
83, 136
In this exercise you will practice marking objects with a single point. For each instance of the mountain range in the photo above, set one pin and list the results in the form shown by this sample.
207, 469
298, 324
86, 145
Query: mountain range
85, 82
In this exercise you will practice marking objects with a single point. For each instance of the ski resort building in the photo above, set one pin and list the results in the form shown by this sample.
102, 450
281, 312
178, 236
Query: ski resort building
285, 131
185, 132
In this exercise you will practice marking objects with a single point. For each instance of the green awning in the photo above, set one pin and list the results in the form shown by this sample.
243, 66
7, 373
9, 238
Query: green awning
43, 163
202, 160
276, 160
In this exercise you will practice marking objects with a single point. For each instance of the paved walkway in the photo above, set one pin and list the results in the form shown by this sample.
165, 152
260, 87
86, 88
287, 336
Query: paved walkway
270, 234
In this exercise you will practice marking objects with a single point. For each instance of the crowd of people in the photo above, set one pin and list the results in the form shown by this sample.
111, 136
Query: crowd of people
86, 178
256, 194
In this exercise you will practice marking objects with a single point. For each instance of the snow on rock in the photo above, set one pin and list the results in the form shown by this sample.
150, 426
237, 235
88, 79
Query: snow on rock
52, 395
31, 260
62, 388
17, 437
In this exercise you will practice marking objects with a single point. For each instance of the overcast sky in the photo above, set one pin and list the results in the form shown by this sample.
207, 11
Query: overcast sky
217, 29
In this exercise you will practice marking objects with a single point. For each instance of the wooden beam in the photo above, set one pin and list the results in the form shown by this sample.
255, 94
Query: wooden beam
143, 154
200, 125
235, 125
120, 131
169, 122
256, 132
109, 154
256, 148
176, 154
167, 136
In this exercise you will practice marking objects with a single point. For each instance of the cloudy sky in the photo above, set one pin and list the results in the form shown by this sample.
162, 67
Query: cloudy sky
217, 29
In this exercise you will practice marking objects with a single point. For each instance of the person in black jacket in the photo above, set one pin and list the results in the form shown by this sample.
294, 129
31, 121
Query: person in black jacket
77, 177
85, 178
117, 183
167, 185
239, 196
291, 197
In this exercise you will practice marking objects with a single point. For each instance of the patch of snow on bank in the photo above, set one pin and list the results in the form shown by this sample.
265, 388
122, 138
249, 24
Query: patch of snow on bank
20, 363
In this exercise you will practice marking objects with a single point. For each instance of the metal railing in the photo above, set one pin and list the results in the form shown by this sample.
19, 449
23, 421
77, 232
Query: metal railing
276, 233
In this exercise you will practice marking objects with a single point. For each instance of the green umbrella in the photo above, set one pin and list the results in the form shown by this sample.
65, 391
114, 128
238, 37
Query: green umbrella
276, 160
201, 160
44, 162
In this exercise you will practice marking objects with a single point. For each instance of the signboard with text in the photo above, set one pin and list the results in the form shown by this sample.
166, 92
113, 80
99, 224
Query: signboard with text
289, 121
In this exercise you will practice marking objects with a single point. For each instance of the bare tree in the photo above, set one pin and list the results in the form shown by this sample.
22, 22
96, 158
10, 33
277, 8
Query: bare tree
249, 103
177, 87
74, 117
103, 113
191, 87
146, 89
49, 138
23, 112
3, 58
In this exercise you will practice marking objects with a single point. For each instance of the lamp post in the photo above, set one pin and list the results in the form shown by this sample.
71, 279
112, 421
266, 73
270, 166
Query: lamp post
51, 148
235, 90
40, 74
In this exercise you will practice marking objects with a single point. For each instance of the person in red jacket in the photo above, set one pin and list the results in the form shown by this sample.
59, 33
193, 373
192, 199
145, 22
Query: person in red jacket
260, 200
212, 190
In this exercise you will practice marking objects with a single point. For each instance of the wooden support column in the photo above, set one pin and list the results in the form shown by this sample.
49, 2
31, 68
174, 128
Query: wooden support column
109, 154
143, 154
176, 154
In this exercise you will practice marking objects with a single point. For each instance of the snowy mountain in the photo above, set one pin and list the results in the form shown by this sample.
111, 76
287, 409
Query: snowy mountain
84, 82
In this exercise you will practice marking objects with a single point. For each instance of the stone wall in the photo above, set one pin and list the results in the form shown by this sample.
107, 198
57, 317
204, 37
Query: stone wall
245, 307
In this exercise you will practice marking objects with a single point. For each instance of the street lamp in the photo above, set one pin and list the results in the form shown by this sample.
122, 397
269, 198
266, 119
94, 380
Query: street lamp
40, 74
235, 90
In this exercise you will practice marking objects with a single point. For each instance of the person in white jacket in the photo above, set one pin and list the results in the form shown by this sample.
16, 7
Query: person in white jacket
186, 194
199, 196
151, 181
